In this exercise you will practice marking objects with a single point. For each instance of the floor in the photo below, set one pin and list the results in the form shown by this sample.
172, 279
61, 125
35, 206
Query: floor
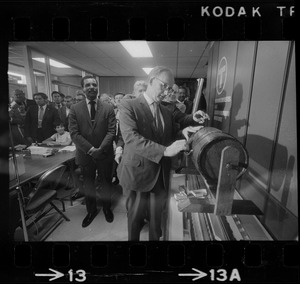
99, 229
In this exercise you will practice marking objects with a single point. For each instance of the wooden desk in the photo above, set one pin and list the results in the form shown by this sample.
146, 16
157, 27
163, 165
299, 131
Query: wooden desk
36, 165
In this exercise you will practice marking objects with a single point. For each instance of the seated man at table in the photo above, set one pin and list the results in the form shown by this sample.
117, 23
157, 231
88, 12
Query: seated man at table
61, 137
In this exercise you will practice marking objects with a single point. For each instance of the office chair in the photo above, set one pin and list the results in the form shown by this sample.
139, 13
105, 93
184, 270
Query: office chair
40, 200
70, 178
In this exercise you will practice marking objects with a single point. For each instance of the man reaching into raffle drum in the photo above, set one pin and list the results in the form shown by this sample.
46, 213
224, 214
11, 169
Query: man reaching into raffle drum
149, 132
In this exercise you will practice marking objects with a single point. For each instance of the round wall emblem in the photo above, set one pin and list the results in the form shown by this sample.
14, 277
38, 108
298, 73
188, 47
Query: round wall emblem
221, 75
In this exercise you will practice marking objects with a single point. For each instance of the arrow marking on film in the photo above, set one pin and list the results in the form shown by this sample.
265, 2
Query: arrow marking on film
56, 274
198, 275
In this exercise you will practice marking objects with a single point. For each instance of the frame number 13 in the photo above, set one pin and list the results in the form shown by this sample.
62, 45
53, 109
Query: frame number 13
81, 275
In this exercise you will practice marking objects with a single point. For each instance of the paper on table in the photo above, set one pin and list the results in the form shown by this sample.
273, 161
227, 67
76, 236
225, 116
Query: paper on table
36, 150
67, 149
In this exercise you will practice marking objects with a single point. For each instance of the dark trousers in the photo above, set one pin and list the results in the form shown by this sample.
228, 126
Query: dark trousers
40, 136
103, 183
146, 204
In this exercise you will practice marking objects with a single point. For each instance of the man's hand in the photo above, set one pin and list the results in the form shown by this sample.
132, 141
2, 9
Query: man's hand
175, 148
97, 153
189, 130
51, 143
118, 157
29, 139
200, 116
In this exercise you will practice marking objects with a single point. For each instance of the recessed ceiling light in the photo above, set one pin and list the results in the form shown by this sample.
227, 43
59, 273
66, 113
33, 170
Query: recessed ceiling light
147, 70
53, 63
137, 48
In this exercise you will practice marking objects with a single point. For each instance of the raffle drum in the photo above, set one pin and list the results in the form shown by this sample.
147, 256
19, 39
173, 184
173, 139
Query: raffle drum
207, 145
220, 159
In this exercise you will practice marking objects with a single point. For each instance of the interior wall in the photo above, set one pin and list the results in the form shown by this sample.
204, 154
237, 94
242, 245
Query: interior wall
112, 85
255, 101
245, 64
284, 176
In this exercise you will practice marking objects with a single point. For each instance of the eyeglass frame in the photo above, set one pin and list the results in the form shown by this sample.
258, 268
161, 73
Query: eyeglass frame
165, 86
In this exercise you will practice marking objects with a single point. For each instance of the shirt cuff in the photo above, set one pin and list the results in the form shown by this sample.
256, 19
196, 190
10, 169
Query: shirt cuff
119, 150
89, 151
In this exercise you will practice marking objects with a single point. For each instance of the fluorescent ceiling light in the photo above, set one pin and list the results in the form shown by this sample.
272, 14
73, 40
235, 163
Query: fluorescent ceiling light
53, 63
147, 70
22, 77
137, 48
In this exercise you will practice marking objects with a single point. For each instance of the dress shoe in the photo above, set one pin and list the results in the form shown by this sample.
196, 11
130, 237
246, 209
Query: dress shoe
109, 216
77, 195
89, 219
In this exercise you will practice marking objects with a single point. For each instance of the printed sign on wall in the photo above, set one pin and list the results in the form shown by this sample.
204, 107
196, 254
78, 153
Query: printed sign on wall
222, 100
221, 75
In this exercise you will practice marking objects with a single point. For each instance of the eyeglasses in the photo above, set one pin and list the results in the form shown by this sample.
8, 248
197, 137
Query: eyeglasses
165, 86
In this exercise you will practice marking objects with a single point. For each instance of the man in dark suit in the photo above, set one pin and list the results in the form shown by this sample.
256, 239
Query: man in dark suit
92, 125
148, 129
183, 97
20, 99
57, 99
64, 112
40, 120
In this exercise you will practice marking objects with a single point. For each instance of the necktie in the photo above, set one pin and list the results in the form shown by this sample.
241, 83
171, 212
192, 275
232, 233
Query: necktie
25, 105
40, 116
157, 119
93, 111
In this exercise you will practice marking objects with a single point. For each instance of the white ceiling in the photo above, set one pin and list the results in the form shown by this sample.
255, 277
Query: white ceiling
187, 59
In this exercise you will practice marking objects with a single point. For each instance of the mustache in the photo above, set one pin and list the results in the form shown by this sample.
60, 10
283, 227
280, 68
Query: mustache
92, 90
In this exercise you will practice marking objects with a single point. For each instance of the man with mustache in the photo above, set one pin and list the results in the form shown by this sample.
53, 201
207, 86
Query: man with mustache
92, 125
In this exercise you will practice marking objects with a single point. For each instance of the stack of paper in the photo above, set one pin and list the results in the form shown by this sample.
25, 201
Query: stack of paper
67, 149
36, 150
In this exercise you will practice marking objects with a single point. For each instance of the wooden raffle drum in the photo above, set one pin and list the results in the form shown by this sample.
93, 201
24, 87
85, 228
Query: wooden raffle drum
220, 159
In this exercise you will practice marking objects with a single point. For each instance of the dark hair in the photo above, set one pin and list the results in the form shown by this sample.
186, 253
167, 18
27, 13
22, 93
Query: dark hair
43, 95
87, 77
59, 124
56, 92
184, 88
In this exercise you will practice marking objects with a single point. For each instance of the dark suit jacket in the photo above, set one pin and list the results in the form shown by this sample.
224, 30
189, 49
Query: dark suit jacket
50, 120
143, 158
29, 103
189, 106
63, 117
86, 135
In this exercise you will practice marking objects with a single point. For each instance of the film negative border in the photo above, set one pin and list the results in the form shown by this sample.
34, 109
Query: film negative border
263, 262
155, 262
173, 21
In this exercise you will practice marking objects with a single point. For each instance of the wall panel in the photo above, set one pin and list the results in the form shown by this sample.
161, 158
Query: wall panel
224, 84
211, 79
284, 172
242, 88
267, 90
263, 117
